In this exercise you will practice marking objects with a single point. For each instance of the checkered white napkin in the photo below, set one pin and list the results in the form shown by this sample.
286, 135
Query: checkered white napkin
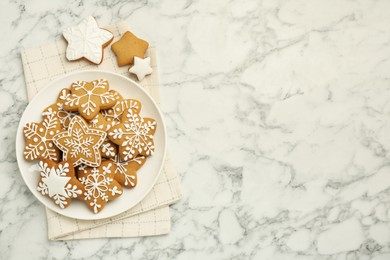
151, 216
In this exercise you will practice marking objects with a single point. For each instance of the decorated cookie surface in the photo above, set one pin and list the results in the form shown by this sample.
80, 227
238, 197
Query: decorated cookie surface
58, 182
99, 184
128, 47
115, 113
126, 171
134, 135
141, 67
58, 109
89, 97
80, 144
39, 139
86, 40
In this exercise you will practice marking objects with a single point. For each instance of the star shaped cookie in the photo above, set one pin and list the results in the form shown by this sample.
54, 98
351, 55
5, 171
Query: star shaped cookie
134, 135
99, 184
58, 182
141, 67
89, 97
108, 148
80, 143
87, 40
126, 171
39, 139
128, 47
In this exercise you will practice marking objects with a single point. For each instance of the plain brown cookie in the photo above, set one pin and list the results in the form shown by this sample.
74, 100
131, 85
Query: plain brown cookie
127, 47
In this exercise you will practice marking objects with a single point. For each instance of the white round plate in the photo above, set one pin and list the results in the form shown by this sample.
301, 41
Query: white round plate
148, 173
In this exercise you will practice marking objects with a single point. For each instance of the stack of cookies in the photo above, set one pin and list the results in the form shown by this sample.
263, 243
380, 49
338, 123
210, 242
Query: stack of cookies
91, 142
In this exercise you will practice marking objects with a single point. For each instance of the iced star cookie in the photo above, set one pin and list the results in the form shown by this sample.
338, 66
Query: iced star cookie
80, 143
89, 97
115, 113
141, 68
58, 182
128, 47
99, 184
58, 109
108, 148
39, 139
134, 135
126, 171
87, 40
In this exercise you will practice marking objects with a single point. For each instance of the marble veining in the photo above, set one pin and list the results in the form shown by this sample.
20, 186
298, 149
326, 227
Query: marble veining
278, 122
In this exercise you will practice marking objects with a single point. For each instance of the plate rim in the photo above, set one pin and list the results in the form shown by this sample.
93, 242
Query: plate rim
19, 131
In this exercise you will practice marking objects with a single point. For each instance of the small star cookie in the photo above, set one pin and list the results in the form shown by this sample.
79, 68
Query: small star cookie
128, 47
89, 97
141, 68
87, 40
80, 143
39, 139
134, 135
126, 171
99, 184
58, 182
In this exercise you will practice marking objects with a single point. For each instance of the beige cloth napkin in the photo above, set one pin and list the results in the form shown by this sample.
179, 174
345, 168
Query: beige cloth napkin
151, 216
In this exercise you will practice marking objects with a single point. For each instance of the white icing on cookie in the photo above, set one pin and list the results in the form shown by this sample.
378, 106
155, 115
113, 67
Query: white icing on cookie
141, 67
86, 40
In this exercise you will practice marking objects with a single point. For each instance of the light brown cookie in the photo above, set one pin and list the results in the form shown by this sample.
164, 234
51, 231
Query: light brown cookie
127, 47
134, 135
108, 148
58, 109
39, 139
80, 143
126, 171
58, 181
114, 114
89, 97
99, 184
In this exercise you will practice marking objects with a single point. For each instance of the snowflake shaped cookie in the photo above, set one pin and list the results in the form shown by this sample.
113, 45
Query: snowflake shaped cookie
58, 109
80, 144
39, 139
89, 97
115, 113
126, 171
134, 135
87, 40
58, 182
99, 184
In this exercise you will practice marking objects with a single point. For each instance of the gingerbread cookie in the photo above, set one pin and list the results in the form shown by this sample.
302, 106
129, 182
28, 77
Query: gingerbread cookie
39, 139
108, 148
117, 96
87, 40
99, 185
89, 97
58, 109
80, 143
126, 171
58, 182
128, 47
114, 114
134, 135
141, 68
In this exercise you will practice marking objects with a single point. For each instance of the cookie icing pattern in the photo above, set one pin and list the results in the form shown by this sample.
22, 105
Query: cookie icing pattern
58, 182
126, 171
134, 135
115, 113
86, 40
99, 185
80, 144
89, 97
39, 139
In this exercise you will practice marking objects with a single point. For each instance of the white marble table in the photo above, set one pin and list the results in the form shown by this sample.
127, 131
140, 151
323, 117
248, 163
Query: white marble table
278, 116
